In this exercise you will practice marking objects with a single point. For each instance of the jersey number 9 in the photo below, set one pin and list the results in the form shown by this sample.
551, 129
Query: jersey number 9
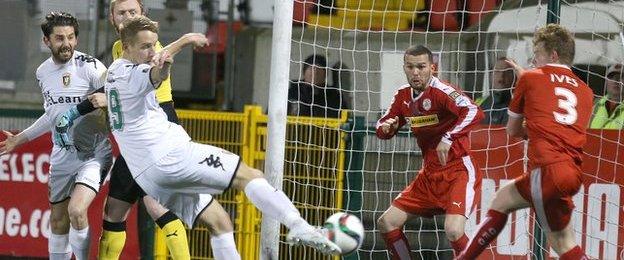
114, 105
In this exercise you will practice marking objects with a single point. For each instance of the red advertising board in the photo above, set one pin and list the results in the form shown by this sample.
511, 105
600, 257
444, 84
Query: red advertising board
25, 210
598, 216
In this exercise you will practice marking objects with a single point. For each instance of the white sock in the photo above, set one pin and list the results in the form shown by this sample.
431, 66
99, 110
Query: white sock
58, 247
223, 247
273, 203
79, 241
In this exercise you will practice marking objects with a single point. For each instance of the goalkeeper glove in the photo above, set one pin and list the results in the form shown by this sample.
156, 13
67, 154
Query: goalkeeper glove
62, 124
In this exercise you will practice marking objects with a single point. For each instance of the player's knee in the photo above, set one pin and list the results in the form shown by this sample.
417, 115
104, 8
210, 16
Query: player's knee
248, 172
244, 175
500, 203
77, 213
454, 228
453, 232
562, 241
386, 224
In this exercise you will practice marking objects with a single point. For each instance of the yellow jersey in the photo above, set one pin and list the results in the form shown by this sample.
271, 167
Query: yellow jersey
163, 93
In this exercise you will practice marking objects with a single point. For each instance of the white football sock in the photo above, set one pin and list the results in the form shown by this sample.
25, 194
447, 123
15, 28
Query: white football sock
79, 241
273, 203
223, 247
58, 247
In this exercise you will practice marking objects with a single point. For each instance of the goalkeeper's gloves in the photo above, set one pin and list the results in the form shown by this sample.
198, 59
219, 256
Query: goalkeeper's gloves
62, 124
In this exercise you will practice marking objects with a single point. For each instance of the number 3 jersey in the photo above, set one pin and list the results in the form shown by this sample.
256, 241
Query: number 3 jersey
138, 123
64, 86
557, 107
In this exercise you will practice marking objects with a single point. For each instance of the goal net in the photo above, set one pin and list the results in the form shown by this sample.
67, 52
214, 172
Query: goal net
334, 161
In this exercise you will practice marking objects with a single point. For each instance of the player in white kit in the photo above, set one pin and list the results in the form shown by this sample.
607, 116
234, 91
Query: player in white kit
160, 154
76, 172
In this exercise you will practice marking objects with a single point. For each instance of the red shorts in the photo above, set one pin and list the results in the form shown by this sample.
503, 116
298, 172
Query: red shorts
453, 189
549, 189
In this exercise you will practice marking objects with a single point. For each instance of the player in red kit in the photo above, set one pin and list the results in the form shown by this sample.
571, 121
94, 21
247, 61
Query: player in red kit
557, 107
440, 118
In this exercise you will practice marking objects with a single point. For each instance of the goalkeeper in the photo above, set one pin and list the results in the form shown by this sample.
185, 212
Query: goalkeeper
440, 117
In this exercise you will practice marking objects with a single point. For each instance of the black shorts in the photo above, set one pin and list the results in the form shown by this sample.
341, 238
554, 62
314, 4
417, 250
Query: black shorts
122, 185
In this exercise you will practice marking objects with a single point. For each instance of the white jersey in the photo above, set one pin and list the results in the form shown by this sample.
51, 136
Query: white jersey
66, 85
140, 126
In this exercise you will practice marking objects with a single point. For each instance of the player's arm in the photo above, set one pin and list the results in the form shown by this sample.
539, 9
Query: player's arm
468, 115
515, 124
389, 124
38, 128
196, 39
161, 67
518, 70
95, 100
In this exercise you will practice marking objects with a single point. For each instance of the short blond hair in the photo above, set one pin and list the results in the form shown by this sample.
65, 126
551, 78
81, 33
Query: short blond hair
556, 38
129, 29
111, 6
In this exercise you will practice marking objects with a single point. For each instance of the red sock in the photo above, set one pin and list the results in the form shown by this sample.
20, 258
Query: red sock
576, 253
489, 229
397, 243
459, 244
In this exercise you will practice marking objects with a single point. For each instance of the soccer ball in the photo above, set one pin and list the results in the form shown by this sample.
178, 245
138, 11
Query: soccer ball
346, 231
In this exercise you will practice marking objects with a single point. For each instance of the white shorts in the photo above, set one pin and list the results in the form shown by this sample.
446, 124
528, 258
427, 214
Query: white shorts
64, 176
183, 180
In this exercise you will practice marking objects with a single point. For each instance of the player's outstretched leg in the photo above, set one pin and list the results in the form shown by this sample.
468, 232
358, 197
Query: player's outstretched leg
79, 235
58, 242
274, 203
505, 200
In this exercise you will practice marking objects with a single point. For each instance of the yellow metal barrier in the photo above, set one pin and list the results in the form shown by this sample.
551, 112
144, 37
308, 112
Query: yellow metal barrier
313, 173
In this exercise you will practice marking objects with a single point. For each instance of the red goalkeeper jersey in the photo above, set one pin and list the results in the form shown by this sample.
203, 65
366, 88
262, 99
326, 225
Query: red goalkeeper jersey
439, 113
557, 107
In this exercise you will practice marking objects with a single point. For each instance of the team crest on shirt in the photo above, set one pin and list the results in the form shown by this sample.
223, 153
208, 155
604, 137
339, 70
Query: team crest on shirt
426, 104
66, 79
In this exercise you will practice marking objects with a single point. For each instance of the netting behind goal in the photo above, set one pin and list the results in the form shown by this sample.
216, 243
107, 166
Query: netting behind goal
363, 43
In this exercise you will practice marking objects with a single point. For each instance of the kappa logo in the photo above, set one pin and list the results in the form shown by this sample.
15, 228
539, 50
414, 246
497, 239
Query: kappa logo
87, 59
211, 161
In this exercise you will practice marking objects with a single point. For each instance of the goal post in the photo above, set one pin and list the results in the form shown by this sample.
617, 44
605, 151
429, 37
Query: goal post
278, 97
